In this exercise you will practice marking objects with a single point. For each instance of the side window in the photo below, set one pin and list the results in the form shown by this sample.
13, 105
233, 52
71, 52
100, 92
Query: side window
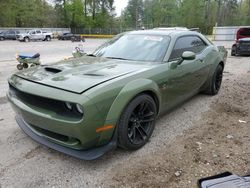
188, 43
38, 32
33, 33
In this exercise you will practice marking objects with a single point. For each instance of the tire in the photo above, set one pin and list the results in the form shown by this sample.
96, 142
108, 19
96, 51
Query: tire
1, 38
19, 66
137, 122
215, 82
26, 39
233, 51
48, 38
25, 65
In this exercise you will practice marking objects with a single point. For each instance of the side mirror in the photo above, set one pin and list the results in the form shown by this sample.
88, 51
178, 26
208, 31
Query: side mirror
187, 55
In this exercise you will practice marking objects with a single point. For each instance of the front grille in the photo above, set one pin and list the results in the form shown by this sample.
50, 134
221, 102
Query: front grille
44, 103
245, 43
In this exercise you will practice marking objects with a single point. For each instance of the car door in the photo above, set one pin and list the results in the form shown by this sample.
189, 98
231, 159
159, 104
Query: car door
39, 35
10, 34
33, 35
185, 79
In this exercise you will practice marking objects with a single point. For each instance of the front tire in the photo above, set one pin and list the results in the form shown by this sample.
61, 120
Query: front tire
26, 39
19, 66
137, 122
233, 51
215, 82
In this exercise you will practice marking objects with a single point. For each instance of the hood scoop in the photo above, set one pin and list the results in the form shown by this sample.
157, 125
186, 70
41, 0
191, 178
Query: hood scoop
52, 69
92, 74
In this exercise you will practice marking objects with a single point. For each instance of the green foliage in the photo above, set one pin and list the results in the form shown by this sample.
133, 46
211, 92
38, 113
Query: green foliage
61, 13
26, 13
204, 14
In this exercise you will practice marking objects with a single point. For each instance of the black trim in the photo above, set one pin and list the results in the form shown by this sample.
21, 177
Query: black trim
222, 175
90, 154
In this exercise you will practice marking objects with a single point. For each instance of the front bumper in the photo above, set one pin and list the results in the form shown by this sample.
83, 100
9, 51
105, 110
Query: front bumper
90, 154
243, 50
20, 38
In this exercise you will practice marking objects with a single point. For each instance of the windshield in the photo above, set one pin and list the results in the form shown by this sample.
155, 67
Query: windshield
135, 47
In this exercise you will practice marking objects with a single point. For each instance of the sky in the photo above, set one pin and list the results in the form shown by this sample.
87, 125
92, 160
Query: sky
120, 5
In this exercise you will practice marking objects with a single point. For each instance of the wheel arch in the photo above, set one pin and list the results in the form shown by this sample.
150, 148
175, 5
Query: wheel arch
127, 94
154, 97
222, 64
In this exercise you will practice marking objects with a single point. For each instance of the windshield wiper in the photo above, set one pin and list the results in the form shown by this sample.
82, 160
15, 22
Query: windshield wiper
117, 58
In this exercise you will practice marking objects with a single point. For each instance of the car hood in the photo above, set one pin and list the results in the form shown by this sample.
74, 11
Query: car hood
80, 74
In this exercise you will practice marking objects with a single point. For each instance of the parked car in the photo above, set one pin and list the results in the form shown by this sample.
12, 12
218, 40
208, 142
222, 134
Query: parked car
65, 36
72, 37
34, 35
10, 34
242, 45
88, 106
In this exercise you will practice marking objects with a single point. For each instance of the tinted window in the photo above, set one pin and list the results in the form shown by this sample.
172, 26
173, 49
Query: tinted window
189, 43
39, 32
245, 32
33, 32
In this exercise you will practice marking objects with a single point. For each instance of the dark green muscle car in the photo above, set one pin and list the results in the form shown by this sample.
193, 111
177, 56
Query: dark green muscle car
88, 106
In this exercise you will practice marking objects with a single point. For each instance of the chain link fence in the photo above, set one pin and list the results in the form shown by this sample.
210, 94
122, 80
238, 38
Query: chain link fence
101, 31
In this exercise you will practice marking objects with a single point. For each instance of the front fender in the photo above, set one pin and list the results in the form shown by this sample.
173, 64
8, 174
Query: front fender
128, 92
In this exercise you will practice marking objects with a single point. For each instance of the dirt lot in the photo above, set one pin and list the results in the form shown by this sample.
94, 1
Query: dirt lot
200, 138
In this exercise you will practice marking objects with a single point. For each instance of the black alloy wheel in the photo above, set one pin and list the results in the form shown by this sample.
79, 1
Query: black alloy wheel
137, 122
218, 78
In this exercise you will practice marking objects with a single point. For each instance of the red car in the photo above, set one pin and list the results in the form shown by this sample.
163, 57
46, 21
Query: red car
242, 45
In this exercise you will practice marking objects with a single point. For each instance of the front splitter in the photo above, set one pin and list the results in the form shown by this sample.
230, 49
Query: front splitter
90, 154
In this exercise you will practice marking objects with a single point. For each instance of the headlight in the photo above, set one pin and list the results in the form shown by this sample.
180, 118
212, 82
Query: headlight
79, 108
69, 105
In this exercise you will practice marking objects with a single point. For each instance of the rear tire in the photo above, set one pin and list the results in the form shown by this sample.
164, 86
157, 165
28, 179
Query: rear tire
215, 82
1, 38
137, 122
48, 38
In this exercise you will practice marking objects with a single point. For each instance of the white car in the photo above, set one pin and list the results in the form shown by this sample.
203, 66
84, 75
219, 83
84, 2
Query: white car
34, 35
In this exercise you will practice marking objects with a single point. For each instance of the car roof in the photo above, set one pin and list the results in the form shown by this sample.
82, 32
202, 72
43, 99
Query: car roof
164, 31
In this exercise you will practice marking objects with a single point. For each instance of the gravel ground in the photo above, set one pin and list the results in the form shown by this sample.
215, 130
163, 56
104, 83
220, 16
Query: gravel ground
204, 130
